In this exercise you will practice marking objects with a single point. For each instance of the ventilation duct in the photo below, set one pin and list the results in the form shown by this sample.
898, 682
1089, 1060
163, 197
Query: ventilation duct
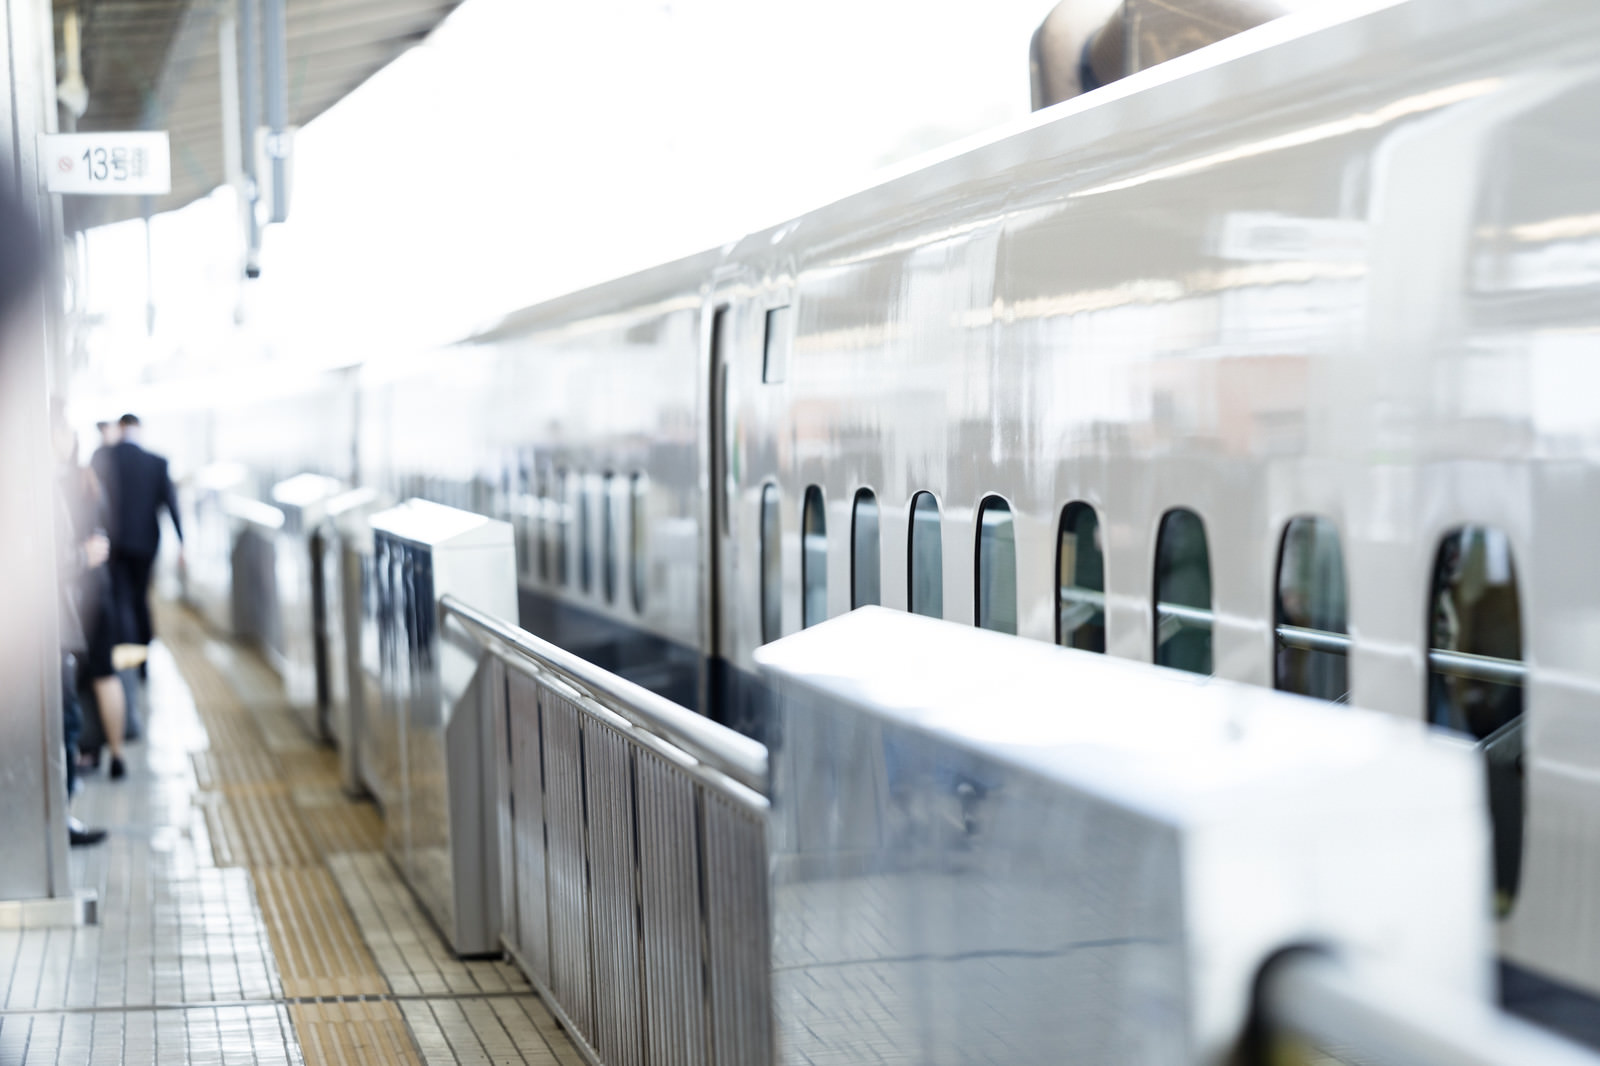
1084, 44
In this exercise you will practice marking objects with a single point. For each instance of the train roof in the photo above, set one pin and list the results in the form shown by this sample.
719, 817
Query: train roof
1098, 133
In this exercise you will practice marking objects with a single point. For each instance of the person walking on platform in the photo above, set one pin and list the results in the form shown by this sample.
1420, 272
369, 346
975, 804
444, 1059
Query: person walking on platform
81, 551
110, 437
137, 486
91, 599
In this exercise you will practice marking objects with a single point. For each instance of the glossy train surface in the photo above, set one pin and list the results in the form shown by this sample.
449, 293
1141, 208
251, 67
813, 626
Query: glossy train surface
1299, 334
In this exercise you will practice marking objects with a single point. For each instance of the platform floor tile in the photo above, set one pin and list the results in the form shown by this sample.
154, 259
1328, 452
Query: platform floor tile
237, 772
498, 1031
257, 1034
311, 768
248, 914
336, 824
367, 1033
318, 948
258, 829
408, 949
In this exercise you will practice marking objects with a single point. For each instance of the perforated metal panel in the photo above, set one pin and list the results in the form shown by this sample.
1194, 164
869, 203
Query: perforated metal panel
738, 931
669, 882
613, 899
496, 702
566, 868
528, 827
640, 886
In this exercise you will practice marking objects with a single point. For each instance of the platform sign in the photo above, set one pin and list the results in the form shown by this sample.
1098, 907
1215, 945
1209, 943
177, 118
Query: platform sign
106, 164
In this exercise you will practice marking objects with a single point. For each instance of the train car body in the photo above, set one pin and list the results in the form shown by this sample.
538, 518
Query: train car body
1345, 267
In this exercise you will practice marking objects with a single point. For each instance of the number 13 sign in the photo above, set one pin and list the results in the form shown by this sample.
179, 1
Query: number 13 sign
106, 164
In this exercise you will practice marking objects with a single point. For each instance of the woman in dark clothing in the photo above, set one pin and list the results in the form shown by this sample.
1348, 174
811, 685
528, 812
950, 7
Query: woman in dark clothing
80, 492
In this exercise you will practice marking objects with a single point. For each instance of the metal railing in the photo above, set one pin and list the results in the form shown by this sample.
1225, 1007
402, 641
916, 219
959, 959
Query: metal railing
719, 748
633, 844
1454, 663
1317, 1010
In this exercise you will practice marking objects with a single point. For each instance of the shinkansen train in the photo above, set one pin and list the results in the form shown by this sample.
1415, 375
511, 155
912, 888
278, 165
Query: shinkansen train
1278, 362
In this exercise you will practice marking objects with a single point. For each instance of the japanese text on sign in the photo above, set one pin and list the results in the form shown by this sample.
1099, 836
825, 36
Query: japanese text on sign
106, 164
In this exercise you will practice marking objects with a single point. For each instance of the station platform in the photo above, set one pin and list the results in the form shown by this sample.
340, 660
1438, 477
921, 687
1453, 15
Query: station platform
247, 912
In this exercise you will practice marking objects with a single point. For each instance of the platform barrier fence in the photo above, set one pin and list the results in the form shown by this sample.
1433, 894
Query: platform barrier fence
959, 847
633, 840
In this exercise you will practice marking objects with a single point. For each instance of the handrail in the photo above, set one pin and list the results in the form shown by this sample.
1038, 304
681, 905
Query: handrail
739, 757
1195, 616
1477, 667
1445, 661
1304, 638
1387, 1022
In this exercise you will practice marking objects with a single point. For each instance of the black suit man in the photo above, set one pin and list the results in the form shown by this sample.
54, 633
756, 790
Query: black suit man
137, 486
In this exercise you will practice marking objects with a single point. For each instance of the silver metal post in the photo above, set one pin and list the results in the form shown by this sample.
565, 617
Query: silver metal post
275, 53
228, 76
33, 853
250, 45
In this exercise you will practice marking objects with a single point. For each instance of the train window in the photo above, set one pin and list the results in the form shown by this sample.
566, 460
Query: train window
775, 348
518, 486
1475, 677
1080, 580
608, 536
1313, 644
813, 559
997, 567
864, 547
638, 570
562, 504
925, 582
771, 566
1183, 593
536, 511
585, 534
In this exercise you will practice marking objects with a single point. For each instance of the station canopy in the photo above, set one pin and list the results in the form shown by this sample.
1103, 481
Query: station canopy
155, 65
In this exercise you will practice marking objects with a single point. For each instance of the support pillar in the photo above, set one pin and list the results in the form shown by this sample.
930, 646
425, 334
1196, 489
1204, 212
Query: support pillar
34, 883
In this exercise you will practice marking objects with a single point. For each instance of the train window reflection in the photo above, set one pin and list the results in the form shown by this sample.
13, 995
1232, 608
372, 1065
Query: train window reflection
1312, 642
585, 535
638, 570
997, 567
775, 349
813, 559
518, 487
1475, 677
1080, 580
563, 533
536, 511
608, 536
771, 566
864, 548
925, 584
1183, 593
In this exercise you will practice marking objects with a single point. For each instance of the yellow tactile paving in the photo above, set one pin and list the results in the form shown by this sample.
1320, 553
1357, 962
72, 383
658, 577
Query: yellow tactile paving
318, 948
231, 731
237, 771
287, 738
312, 766
258, 829
353, 1034
331, 906
228, 724
340, 826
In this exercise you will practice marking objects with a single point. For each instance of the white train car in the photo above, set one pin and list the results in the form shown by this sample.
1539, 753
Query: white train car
1277, 362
